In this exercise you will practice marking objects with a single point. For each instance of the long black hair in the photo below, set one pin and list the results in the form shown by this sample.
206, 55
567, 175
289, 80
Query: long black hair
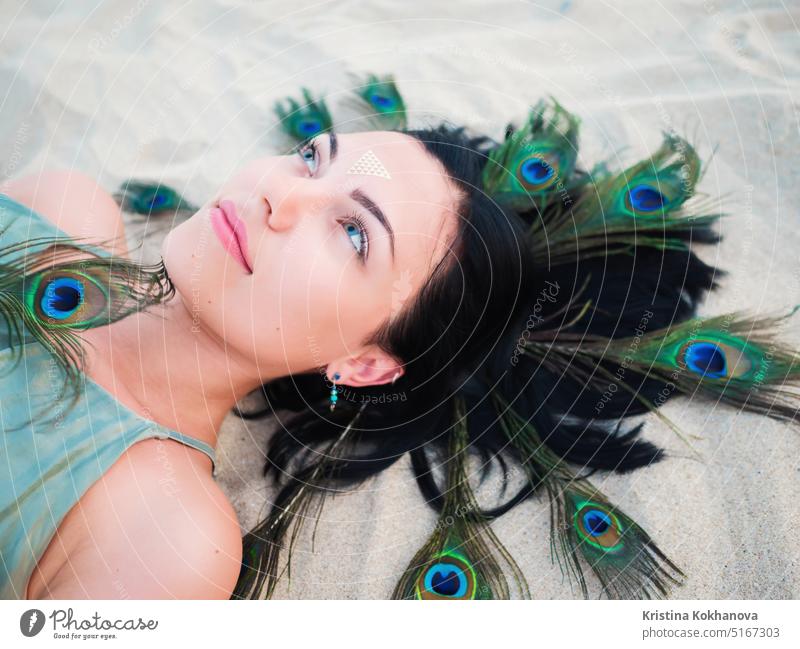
460, 335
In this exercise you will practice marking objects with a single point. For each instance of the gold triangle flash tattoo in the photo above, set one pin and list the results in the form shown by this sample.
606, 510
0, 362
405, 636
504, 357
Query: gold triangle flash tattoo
369, 165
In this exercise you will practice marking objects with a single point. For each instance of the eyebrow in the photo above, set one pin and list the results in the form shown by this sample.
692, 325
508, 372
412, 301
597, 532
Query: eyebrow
361, 198
333, 143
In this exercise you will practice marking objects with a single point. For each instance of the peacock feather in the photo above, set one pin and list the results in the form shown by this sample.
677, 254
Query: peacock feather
586, 529
151, 198
461, 559
303, 121
535, 162
383, 98
731, 358
643, 205
63, 288
651, 208
262, 546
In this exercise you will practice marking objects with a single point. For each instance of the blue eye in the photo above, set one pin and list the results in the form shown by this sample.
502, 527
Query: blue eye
308, 154
355, 228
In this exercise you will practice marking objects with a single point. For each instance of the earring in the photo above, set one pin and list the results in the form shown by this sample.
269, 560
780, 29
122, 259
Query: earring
394, 378
334, 396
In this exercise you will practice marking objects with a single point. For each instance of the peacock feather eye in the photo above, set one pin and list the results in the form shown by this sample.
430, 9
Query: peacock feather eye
381, 102
706, 358
150, 198
66, 298
716, 359
598, 526
657, 187
154, 199
448, 576
537, 172
61, 297
645, 198
306, 120
534, 159
309, 127
158, 201
383, 97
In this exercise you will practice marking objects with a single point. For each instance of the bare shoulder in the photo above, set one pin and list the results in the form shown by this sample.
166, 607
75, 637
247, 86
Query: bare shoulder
154, 527
75, 203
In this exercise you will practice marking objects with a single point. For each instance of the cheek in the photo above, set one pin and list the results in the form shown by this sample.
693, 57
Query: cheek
208, 282
342, 313
187, 251
313, 312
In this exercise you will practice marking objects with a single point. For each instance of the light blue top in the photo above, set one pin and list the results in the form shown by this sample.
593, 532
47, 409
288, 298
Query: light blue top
48, 462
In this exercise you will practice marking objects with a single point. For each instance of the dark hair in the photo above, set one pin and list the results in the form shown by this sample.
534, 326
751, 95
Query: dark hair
459, 336
474, 296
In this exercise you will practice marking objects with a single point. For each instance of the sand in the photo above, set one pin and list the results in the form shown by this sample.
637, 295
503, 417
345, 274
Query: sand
184, 94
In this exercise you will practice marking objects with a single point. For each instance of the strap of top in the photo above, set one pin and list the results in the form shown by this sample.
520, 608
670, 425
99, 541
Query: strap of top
200, 445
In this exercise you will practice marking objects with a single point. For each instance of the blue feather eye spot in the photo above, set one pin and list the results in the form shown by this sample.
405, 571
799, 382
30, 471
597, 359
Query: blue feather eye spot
716, 359
380, 101
598, 526
148, 199
596, 522
62, 297
449, 576
446, 580
536, 173
68, 298
157, 201
309, 127
645, 198
706, 359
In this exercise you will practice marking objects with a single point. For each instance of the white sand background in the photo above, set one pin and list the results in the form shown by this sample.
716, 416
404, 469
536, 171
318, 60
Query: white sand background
183, 92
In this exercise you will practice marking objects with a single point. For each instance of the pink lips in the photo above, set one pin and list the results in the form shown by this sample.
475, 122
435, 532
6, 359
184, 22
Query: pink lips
231, 231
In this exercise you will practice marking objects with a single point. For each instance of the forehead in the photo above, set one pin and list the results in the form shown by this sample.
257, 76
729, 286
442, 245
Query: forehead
417, 198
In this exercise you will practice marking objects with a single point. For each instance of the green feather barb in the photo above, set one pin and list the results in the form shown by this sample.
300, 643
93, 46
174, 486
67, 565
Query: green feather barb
151, 198
732, 358
260, 572
536, 162
462, 558
383, 98
586, 529
643, 205
303, 121
51, 288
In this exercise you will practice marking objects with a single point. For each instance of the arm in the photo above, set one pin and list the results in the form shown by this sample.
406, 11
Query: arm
183, 543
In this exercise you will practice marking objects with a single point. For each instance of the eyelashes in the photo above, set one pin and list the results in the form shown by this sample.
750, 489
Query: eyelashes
309, 154
313, 148
361, 231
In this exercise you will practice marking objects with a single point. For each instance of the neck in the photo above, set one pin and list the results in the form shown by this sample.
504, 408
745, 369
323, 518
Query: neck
165, 367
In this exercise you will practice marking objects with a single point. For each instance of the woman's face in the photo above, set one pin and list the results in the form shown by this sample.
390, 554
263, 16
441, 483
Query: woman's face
333, 243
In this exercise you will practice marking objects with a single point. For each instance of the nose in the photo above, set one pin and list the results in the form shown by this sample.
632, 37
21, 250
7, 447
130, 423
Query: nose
293, 198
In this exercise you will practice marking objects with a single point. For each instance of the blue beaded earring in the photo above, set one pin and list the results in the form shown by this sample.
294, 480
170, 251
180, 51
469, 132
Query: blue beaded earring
334, 396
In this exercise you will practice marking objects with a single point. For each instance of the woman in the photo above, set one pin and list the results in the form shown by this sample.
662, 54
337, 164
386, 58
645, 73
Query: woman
463, 311
321, 254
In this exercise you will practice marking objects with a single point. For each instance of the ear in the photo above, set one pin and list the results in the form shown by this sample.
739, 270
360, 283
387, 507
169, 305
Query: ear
371, 367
